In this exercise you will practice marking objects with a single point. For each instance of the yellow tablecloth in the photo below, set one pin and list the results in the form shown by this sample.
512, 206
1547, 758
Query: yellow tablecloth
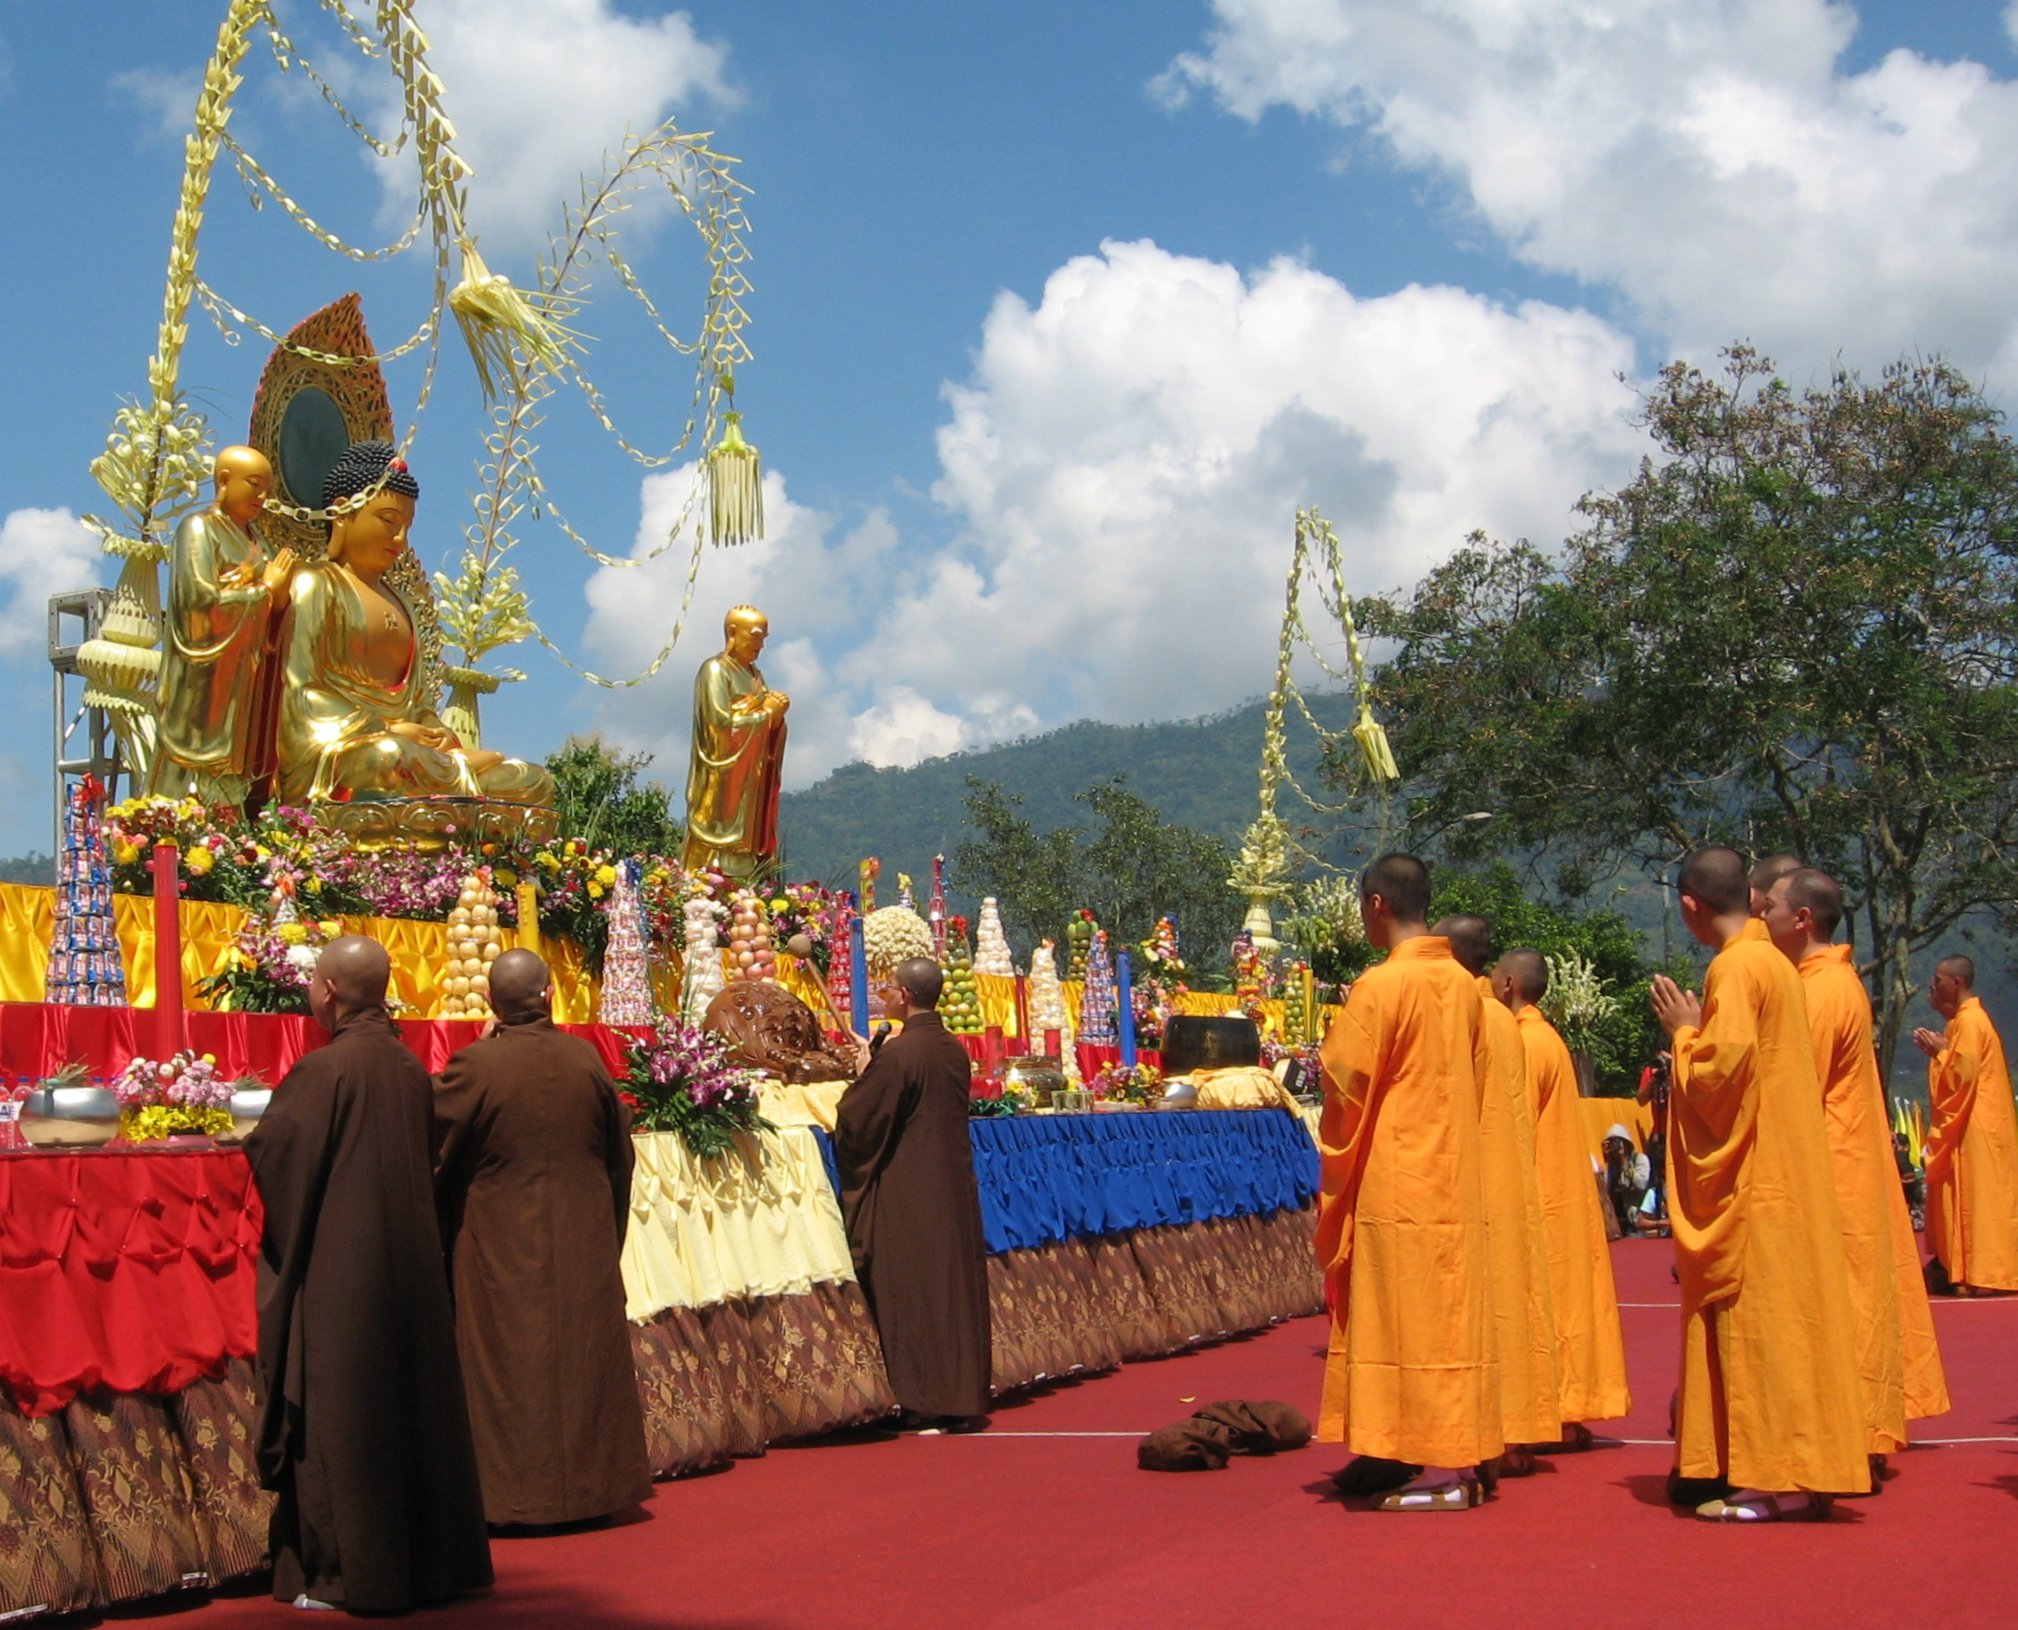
1241, 1086
761, 1221
811, 1103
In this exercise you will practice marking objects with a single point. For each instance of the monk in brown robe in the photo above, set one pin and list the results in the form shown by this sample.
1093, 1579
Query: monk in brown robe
1769, 1405
1898, 1362
363, 1434
533, 1170
1972, 1138
1523, 1308
1411, 1381
912, 1208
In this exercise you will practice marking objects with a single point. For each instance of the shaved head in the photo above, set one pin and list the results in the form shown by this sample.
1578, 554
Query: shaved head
242, 461
1959, 968
1815, 891
519, 983
350, 977
1470, 940
1403, 882
1765, 874
921, 980
1770, 870
1716, 879
1528, 970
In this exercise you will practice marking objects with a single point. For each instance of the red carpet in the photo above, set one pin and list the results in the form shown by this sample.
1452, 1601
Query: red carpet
1044, 1521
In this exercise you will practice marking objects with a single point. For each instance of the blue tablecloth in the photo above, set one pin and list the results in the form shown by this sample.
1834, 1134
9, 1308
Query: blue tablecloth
1052, 1177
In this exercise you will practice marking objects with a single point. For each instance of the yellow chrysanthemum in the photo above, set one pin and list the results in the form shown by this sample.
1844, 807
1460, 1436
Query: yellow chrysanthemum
607, 876
595, 891
200, 861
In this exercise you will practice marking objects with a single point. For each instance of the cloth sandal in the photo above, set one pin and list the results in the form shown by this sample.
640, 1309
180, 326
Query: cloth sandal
1755, 1507
1461, 1495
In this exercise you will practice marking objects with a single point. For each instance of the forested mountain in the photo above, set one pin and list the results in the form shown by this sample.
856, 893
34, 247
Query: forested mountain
1199, 773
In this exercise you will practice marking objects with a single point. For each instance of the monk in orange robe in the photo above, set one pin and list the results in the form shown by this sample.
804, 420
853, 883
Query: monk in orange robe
1768, 1337
1590, 1350
1972, 1141
1410, 1377
1523, 1314
1898, 1361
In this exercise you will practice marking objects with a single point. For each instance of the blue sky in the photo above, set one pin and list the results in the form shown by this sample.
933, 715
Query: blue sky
1060, 310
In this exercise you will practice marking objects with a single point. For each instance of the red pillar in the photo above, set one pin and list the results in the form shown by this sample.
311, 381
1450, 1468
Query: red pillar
168, 1030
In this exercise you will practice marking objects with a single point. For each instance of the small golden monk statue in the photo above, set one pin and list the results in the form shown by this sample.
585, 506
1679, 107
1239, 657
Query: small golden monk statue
222, 592
357, 725
738, 751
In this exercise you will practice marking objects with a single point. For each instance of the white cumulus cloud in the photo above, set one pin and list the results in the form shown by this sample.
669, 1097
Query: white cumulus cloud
814, 578
541, 90
1127, 459
1708, 159
42, 552
1121, 472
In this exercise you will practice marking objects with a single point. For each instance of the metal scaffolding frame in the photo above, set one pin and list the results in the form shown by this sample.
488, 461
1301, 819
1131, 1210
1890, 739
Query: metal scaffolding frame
84, 740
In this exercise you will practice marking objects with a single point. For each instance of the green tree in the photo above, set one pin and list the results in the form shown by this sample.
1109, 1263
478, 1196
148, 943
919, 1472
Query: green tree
1130, 869
1795, 629
1625, 1040
603, 801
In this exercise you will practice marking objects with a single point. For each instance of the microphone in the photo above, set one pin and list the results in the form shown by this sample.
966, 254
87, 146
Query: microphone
881, 1035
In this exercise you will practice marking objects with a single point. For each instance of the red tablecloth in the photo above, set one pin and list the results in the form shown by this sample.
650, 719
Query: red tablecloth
126, 1269
40, 1038
1092, 1059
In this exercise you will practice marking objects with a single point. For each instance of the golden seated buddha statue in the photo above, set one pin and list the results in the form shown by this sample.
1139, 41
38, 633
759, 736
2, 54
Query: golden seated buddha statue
360, 742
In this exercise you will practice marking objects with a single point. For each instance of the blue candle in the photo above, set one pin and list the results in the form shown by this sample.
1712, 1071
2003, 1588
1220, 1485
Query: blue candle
1124, 1001
858, 976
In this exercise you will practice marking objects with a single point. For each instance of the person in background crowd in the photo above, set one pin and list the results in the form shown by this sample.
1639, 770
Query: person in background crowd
1972, 1139
1768, 1348
1590, 1349
1411, 1384
533, 1173
1898, 1361
1523, 1317
363, 1433
1628, 1176
913, 1211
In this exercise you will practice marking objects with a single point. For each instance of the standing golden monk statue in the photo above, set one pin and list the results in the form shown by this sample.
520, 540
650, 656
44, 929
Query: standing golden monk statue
738, 751
357, 725
222, 590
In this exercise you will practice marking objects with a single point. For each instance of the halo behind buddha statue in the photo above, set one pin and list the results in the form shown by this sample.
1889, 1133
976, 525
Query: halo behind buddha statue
360, 742
318, 394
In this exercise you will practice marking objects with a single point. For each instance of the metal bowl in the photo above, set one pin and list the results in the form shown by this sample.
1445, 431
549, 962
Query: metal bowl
247, 1105
1179, 1095
70, 1117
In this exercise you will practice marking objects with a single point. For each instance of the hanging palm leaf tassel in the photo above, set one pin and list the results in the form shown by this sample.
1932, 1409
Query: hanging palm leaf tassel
1373, 746
735, 486
504, 328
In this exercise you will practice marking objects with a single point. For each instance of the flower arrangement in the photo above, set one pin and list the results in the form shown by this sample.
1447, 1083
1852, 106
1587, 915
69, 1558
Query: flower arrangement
1132, 1084
680, 1080
1160, 984
183, 1095
269, 966
892, 935
1576, 1001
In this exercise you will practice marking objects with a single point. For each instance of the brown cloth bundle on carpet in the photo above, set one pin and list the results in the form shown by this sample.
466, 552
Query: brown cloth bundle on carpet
1218, 1431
